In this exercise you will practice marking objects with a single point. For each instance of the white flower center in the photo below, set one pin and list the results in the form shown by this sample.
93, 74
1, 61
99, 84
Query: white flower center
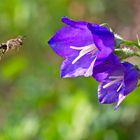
114, 80
84, 50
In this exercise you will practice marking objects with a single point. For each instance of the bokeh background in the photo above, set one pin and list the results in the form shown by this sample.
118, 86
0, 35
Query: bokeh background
35, 103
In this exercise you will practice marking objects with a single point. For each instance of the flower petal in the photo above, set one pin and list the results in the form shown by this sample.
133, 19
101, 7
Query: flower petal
113, 84
120, 99
109, 95
102, 70
115, 90
131, 77
130, 81
75, 24
70, 35
103, 39
83, 66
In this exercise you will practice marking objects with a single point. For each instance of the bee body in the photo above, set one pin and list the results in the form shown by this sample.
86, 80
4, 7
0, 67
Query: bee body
11, 44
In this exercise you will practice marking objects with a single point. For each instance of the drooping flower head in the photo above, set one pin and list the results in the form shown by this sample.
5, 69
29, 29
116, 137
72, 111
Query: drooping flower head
117, 80
83, 45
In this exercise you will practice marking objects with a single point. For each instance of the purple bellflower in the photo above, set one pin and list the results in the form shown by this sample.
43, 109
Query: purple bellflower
116, 79
87, 50
83, 45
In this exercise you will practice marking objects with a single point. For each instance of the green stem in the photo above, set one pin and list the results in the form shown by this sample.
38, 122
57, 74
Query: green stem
131, 43
124, 53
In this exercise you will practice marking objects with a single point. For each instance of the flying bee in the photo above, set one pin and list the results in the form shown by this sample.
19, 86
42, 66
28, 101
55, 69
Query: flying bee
11, 44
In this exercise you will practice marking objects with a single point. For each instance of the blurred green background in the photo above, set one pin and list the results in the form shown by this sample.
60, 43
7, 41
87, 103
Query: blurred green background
35, 103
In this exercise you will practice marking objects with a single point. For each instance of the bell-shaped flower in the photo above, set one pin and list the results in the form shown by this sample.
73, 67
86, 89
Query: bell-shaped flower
116, 79
83, 45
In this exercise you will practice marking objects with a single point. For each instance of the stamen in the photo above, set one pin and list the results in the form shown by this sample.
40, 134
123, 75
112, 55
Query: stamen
120, 87
77, 48
121, 98
115, 77
112, 82
90, 69
84, 50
